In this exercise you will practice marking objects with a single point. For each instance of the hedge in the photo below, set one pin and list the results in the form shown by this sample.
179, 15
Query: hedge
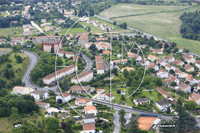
141, 108
73, 99
77, 127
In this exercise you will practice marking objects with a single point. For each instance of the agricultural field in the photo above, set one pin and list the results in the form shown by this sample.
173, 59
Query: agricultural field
161, 21
63, 31
12, 31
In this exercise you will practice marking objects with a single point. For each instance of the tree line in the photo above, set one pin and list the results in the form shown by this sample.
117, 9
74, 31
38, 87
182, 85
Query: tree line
190, 27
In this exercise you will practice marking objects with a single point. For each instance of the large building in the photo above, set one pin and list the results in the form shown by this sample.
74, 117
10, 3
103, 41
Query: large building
82, 77
99, 64
59, 74
41, 39
22, 90
81, 89
57, 46
82, 39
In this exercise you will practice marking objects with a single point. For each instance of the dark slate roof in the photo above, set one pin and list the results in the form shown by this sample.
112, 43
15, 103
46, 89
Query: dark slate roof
88, 116
163, 102
142, 99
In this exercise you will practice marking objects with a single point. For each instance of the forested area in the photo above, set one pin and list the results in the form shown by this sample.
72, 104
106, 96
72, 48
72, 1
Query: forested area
23, 104
190, 27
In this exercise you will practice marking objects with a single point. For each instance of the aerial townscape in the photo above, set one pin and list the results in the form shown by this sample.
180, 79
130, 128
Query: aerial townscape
99, 66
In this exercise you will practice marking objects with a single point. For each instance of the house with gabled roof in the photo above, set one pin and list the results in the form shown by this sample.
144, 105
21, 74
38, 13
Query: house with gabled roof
37, 94
191, 80
163, 105
43, 105
197, 64
161, 62
135, 56
90, 109
100, 91
189, 58
180, 49
106, 97
169, 59
188, 68
163, 93
62, 98
185, 88
157, 51
152, 57
83, 102
162, 73
152, 65
81, 89
82, 77
171, 79
22, 90
88, 118
194, 97
181, 74
168, 67
140, 101
178, 62
89, 128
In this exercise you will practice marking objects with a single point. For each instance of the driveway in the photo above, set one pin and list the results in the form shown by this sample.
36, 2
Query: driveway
116, 122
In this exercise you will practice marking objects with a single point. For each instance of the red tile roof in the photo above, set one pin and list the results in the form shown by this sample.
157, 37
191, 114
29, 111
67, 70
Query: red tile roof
81, 75
89, 126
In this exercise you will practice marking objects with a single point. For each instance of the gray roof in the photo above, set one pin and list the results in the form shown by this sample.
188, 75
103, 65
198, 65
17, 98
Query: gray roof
40, 92
88, 116
163, 102
142, 100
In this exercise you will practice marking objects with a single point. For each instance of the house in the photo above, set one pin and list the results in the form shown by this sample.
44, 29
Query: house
106, 97
22, 90
127, 68
37, 94
122, 61
93, 21
135, 56
152, 65
61, 21
108, 28
197, 64
47, 46
90, 109
2, 41
67, 54
46, 24
185, 88
82, 77
189, 58
157, 51
180, 49
141, 101
181, 74
163, 105
58, 75
169, 59
18, 40
194, 97
100, 91
43, 105
161, 62
83, 102
168, 67
144, 62
62, 98
77, 2
188, 68
163, 93
84, 18
99, 59
81, 89
43, 20
89, 128
178, 62
83, 39
143, 46
198, 86
162, 73
191, 80
107, 52
147, 123
100, 68
152, 57
46, 39
171, 79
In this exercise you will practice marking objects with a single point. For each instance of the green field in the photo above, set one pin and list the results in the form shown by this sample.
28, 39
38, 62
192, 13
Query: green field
164, 22
63, 31
12, 31
5, 125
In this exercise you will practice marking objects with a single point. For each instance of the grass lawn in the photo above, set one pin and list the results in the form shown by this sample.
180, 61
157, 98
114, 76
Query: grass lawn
164, 22
12, 31
153, 96
5, 125
63, 31
22, 66
5, 49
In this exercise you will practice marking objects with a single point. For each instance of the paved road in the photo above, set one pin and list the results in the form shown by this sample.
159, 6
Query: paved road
116, 122
3, 52
36, 26
27, 79
88, 61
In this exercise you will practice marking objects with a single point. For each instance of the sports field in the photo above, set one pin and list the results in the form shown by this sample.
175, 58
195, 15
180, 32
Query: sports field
162, 21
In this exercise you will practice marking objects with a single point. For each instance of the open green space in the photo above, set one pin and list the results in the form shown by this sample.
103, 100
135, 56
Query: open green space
5, 125
163, 23
63, 31
12, 31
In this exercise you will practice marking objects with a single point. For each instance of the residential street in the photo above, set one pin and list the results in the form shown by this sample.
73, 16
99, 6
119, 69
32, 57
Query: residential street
116, 122
36, 26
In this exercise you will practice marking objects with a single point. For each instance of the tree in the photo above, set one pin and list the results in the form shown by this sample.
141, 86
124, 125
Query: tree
123, 98
9, 73
18, 58
190, 105
173, 83
133, 127
14, 114
173, 44
124, 25
91, 12
93, 47
158, 81
52, 50
65, 85
114, 23
75, 12
175, 50
125, 73
88, 29
52, 125
168, 110
122, 113
56, 34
